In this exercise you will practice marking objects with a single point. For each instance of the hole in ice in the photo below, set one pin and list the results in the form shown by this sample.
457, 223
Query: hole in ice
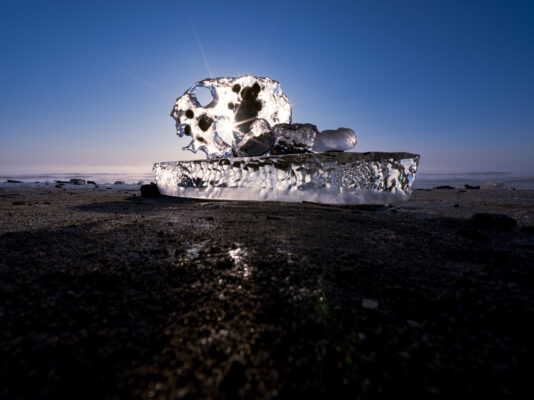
204, 122
185, 129
249, 108
203, 95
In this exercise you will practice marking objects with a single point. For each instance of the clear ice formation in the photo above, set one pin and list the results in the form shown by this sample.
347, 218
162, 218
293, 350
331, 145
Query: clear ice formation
248, 116
219, 127
294, 138
254, 152
335, 178
342, 139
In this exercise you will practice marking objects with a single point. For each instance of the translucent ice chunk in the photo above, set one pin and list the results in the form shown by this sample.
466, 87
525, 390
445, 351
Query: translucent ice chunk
336, 178
341, 139
217, 113
258, 140
294, 138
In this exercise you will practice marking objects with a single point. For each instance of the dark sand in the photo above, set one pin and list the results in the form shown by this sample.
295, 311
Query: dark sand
106, 295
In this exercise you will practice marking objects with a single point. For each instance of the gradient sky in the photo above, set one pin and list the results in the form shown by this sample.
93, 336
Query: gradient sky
88, 86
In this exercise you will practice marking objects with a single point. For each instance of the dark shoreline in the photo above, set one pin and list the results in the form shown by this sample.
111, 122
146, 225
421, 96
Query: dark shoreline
107, 295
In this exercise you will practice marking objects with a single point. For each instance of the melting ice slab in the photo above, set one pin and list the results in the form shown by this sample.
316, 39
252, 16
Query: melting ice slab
331, 178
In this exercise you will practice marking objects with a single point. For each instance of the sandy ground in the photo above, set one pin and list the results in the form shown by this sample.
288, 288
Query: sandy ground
107, 295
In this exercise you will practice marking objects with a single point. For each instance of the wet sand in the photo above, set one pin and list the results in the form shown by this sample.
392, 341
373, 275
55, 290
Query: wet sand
107, 295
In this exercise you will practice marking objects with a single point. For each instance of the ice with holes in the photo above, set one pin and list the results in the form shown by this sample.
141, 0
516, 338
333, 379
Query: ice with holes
254, 152
219, 127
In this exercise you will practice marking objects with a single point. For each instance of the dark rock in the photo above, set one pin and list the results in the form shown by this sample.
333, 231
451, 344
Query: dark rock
18, 203
91, 182
456, 205
59, 185
76, 181
471, 187
527, 229
444, 187
150, 190
493, 221
61, 182
119, 183
13, 181
473, 234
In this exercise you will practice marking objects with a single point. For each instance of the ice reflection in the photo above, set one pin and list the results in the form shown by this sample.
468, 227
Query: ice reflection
237, 255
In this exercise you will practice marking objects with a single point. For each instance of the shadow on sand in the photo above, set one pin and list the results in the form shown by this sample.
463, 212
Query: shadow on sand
262, 300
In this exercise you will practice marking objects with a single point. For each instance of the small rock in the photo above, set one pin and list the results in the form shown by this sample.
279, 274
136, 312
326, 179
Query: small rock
119, 183
527, 229
59, 185
18, 203
456, 205
77, 181
444, 187
140, 183
150, 190
370, 304
471, 187
493, 221
13, 181
91, 182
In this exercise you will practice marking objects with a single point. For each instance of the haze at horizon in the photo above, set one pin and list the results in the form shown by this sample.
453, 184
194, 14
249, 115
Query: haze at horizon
89, 87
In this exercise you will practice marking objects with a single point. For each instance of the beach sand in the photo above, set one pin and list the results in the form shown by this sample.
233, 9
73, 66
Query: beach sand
106, 294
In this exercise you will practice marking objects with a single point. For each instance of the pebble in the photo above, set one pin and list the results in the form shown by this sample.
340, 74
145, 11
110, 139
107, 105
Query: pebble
370, 304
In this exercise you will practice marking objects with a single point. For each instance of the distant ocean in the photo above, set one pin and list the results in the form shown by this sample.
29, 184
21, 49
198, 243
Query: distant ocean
100, 179
422, 181
489, 179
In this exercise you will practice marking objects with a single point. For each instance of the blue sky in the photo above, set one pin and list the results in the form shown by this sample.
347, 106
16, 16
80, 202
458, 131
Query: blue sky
88, 86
